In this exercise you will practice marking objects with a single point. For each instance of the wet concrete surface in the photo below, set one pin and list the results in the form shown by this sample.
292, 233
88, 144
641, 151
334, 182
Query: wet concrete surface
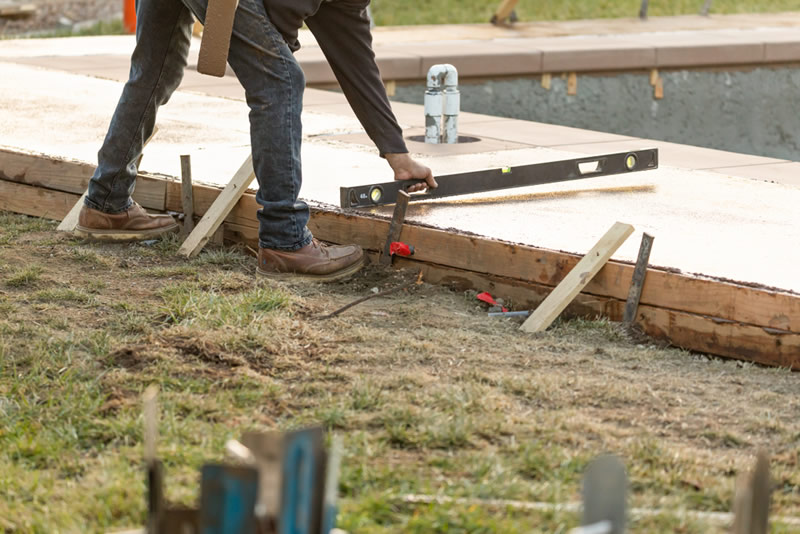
703, 222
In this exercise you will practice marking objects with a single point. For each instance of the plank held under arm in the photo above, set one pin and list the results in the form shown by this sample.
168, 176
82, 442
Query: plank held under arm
219, 210
577, 279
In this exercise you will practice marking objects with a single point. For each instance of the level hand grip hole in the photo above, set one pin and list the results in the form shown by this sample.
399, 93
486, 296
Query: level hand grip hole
590, 167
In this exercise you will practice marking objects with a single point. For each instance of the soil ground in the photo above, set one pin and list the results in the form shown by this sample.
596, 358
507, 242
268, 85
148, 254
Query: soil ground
431, 396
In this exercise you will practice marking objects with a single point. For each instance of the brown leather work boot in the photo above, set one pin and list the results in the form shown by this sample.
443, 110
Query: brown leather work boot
134, 224
315, 261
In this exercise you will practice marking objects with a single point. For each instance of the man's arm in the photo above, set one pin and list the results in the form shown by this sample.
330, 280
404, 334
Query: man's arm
342, 31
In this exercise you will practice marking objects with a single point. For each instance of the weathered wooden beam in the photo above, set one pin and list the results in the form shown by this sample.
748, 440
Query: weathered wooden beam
35, 201
72, 176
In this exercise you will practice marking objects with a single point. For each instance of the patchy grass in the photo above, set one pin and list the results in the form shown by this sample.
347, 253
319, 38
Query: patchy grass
392, 12
103, 27
24, 277
430, 395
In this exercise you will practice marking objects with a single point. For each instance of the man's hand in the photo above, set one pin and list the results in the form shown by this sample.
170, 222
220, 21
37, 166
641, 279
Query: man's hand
405, 168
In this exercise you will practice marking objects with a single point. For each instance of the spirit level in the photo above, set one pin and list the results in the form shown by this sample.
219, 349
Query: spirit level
365, 196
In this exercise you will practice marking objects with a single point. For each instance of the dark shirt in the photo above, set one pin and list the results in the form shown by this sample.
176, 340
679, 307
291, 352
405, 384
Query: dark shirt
342, 30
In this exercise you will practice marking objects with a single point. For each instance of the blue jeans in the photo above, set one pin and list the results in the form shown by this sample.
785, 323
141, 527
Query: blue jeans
273, 83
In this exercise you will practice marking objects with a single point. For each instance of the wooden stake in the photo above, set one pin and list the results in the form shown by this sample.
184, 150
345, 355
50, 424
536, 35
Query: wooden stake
396, 226
217, 31
187, 195
653, 77
751, 503
547, 80
658, 90
219, 210
572, 84
504, 11
155, 475
578, 277
637, 282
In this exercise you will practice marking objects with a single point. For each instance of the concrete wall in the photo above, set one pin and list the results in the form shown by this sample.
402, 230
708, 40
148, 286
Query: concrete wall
754, 112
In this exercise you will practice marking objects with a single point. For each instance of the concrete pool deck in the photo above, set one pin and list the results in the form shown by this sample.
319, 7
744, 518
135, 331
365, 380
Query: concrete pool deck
716, 214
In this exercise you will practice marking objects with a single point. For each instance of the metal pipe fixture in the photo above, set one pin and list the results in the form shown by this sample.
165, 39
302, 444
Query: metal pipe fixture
442, 98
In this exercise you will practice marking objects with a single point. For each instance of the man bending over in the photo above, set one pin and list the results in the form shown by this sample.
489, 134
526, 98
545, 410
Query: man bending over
262, 57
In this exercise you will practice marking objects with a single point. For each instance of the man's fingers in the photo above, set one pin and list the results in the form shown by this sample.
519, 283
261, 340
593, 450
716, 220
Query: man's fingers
430, 180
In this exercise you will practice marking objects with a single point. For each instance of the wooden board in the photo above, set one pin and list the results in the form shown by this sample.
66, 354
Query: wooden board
72, 176
578, 277
35, 201
219, 210
216, 40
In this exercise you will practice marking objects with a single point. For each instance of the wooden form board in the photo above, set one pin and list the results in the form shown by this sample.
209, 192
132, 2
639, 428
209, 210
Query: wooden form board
706, 315
72, 176
580, 275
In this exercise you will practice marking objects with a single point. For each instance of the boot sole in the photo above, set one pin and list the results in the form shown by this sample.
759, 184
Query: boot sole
330, 277
122, 235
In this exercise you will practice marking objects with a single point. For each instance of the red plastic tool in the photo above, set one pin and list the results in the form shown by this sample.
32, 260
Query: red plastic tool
487, 298
401, 249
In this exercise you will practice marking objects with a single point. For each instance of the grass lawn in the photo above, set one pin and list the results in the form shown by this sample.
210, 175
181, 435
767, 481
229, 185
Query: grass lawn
430, 395
403, 12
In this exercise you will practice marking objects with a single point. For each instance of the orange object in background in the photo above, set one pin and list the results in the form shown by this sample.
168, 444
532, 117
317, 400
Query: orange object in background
129, 15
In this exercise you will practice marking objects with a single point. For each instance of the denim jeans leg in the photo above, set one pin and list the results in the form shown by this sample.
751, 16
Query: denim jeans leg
274, 85
163, 34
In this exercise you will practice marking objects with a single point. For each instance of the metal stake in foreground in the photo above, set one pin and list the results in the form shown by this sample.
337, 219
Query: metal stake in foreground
637, 283
396, 226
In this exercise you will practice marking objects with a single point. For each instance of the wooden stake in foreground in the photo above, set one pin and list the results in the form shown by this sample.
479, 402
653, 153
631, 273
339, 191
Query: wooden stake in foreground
751, 503
187, 194
220, 209
577, 279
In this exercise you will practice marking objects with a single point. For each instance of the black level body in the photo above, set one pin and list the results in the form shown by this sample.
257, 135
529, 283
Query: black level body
466, 183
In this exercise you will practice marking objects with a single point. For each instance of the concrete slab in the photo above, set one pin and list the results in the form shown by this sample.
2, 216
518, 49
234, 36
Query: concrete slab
703, 221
